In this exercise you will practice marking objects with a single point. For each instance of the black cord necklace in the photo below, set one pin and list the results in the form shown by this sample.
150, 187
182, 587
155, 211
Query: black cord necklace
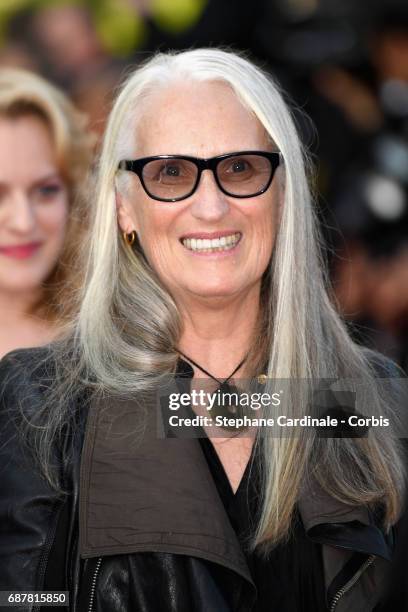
221, 382
224, 391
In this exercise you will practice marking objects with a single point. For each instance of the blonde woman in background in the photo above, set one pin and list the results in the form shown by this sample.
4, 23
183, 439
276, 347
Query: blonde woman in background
203, 262
45, 155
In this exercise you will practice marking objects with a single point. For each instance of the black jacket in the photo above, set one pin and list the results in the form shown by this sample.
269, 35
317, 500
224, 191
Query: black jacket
142, 526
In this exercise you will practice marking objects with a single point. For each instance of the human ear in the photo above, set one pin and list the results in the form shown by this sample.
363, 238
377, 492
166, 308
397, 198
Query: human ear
126, 219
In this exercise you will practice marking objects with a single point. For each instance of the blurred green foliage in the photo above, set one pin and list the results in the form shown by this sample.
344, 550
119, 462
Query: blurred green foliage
120, 26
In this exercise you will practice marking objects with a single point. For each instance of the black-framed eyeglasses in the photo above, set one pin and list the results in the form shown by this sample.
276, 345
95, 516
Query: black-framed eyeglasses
171, 178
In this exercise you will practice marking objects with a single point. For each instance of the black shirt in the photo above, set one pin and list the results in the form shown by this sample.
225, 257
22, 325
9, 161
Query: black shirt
291, 578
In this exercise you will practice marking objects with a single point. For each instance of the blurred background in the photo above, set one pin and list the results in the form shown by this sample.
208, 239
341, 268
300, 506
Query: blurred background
344, 65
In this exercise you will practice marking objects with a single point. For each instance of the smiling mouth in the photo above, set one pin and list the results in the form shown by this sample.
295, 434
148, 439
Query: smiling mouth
214, 245
20, 251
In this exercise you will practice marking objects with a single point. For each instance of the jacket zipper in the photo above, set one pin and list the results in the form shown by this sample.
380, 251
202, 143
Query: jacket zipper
351, 582
93, 584
45, 552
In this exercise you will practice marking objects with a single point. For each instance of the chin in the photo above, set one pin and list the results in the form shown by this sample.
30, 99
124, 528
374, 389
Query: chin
215, 291
22, 285
30, 280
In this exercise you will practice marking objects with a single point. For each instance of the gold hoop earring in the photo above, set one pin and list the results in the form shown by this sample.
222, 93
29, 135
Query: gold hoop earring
129, 238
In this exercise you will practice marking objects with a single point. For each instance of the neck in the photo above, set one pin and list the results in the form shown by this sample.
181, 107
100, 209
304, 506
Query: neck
18, 305
218, 335
20, 327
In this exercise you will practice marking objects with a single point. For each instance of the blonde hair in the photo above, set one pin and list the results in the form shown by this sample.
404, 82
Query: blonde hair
128, 326
24, 93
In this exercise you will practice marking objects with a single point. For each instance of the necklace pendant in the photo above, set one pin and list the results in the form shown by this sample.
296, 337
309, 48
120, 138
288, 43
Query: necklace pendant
227, 405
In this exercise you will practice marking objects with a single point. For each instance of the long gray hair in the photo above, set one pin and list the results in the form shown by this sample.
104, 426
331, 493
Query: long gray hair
123, 336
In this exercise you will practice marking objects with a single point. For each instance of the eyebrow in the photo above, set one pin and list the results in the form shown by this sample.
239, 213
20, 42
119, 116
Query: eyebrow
44, 179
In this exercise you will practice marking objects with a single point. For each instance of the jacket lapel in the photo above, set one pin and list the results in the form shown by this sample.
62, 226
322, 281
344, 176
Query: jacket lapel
329, 521
140, 493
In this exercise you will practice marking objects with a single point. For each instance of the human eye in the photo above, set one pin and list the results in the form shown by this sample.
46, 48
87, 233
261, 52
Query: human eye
172, 170
167, 171
237, 166
47, 192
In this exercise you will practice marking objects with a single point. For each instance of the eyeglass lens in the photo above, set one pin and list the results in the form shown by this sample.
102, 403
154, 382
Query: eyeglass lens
241, 175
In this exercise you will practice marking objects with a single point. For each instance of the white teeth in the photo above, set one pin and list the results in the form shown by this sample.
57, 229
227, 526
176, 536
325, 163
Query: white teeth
205, 245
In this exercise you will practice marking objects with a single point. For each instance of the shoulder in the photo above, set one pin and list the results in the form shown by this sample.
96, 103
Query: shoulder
23, 380
22, 368
391, 383
28, 359
25, 376
28, 401
382, 366
28, 505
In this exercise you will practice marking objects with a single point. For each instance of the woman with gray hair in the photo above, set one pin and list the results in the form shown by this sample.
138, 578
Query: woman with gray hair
203, 263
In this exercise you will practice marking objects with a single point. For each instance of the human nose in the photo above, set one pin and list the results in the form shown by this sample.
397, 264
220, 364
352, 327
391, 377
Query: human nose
209, 202
21, 216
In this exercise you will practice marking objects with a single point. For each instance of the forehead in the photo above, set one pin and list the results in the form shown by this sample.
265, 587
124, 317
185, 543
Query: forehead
203, 119
26, 147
